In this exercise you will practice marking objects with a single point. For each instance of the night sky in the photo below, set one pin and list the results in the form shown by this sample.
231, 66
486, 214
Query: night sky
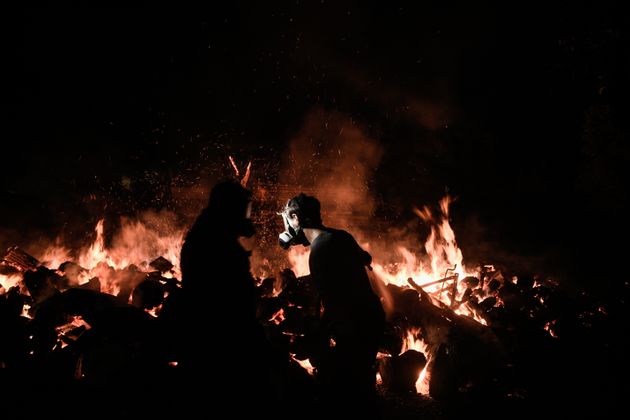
520, 112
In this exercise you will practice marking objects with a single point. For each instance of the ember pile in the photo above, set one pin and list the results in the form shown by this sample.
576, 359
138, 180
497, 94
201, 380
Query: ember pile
462, 337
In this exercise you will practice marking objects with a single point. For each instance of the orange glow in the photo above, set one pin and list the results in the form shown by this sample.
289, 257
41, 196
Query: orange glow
412, 342
26, 311
278, 317
438, 270
9, 281
298, 259
306, 364
443, 257
135, 243
443, 260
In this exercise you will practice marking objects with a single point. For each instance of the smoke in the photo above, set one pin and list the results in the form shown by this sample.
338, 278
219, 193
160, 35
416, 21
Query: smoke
333, 158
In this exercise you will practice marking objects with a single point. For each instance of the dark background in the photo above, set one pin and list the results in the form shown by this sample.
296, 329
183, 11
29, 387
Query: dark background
520, 111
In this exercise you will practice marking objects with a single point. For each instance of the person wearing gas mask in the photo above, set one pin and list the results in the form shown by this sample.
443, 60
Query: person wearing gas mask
213, 320
352, 318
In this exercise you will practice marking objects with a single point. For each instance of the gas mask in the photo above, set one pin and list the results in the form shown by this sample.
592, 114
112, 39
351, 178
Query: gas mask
291, 236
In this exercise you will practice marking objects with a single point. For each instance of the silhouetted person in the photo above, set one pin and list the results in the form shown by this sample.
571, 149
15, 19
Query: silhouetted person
223, 343
353, 318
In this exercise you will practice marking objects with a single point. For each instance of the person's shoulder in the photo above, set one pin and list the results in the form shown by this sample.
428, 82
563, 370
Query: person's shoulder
323, 238
342, 235
334, 240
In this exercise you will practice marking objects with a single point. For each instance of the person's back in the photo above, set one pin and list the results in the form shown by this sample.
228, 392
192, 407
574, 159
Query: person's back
353, 317
337, 265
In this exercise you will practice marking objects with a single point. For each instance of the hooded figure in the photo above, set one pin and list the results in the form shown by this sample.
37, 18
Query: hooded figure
215, 314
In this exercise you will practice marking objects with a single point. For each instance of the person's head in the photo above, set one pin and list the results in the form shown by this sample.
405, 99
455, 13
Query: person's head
300, 212
230, 203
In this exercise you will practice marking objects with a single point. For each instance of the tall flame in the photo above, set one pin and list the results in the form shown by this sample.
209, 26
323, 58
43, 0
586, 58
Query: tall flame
443, 254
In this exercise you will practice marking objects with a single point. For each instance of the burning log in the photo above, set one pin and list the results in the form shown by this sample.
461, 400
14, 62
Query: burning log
73, 272
493, 285
19, 259
267, 307
266, 287
41, 283
148, 294
442, 280
93, 284
161, 264
127, 280
301, 293
7, 269
470, 282
400, 373
466, 296
488, 303
11, 304
462, 349
71, 332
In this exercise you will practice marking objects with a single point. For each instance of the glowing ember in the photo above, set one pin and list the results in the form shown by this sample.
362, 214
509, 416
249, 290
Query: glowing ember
26, 311
278, 317
155, 311
71, 331
549, 327
306, 364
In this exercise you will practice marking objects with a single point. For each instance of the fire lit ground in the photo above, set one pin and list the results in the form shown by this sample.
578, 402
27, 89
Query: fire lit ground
458, 337
478, 152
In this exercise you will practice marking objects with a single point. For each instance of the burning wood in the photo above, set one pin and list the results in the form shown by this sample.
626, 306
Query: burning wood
431, 283
452, 329
161, 264
19, 259
400, 373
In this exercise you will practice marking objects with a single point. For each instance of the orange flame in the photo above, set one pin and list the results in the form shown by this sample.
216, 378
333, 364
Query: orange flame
9, 281
442, 252
136, 243
444, 260
412, 342
298, 259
